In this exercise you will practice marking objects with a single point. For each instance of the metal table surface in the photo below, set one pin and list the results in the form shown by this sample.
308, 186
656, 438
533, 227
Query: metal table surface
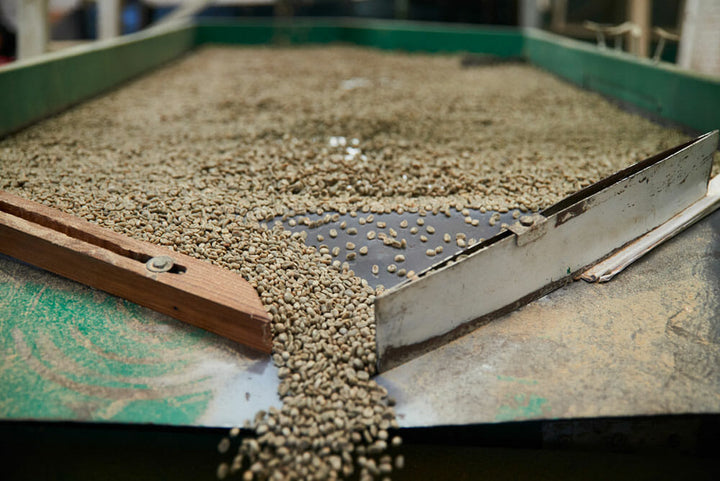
72, 353
646, 343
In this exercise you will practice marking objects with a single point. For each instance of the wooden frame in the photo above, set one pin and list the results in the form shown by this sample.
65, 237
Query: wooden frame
187, 289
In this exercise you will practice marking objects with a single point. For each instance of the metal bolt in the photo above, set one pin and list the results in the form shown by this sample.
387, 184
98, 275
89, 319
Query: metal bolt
160, 264
527, 220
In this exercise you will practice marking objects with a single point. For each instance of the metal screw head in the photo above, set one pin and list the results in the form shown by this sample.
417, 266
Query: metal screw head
527, 220
160, 264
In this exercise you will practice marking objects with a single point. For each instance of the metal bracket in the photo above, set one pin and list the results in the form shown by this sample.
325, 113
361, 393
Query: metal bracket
529, 228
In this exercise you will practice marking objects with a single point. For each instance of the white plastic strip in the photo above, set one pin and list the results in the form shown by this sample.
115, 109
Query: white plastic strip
613, 265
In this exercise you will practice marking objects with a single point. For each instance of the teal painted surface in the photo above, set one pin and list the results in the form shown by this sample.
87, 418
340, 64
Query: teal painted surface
689, 99
266, 32
409, 36
39, 88
519, 380
428, 37
69, 352
523, 406
77, 354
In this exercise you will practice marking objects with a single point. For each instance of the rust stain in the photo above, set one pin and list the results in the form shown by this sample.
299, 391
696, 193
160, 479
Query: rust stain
572, 211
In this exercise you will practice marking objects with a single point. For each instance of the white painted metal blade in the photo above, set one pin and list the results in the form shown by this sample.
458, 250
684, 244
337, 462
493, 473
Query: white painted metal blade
526, 262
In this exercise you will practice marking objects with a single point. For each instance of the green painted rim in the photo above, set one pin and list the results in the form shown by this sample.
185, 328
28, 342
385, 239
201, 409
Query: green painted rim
37, 89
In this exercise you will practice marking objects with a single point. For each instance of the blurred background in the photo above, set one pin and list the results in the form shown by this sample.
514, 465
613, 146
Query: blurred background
638, 26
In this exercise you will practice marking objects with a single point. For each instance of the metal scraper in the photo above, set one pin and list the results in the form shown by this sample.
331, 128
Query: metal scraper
626, 214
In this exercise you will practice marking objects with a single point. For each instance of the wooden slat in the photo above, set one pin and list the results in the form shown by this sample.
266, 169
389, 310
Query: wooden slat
195, 292
640, 13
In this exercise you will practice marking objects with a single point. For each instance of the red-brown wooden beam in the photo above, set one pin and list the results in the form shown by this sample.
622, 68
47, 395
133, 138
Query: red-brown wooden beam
192, 291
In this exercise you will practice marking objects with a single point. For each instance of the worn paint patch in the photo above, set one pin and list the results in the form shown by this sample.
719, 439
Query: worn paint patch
528, 382
73, 353
522, 406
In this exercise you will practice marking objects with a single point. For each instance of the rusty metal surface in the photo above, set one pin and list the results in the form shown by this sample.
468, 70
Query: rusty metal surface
646, 343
